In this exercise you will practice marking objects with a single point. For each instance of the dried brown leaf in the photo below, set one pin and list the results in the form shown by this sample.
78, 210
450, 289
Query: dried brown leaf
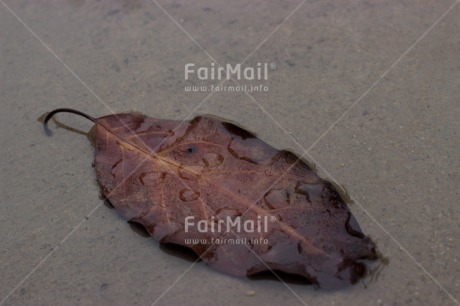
177, 179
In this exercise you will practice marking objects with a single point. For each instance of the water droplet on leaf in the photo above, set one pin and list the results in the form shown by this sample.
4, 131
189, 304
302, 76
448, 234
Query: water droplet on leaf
187, 195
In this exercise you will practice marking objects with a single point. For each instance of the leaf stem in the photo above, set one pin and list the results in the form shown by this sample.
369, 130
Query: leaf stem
67, 110
64, 110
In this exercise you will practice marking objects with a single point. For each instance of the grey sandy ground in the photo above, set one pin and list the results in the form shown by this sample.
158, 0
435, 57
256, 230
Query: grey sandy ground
388, 71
